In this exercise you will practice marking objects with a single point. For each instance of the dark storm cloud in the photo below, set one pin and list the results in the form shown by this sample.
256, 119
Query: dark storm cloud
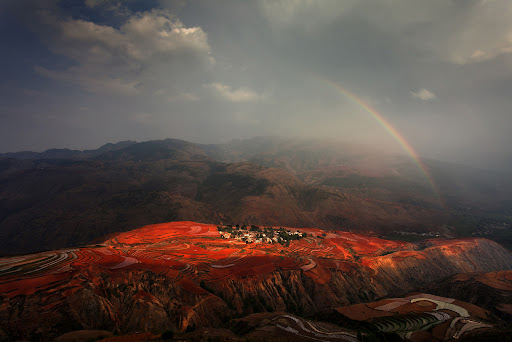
82, 73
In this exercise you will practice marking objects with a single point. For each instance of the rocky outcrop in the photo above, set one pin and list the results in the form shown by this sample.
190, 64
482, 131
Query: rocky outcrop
126, 302
389, 275
437, 262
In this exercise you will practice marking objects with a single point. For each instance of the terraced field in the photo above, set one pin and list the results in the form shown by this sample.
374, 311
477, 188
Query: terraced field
426, 313
300, 328
193, 251
202, 276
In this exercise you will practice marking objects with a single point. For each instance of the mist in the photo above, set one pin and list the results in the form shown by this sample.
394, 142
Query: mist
83, 74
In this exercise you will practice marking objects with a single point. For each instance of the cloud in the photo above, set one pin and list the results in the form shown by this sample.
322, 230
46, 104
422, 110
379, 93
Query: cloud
474, 32
239, 95
156, 34
481, 56
125, 59
423, 94
460, 33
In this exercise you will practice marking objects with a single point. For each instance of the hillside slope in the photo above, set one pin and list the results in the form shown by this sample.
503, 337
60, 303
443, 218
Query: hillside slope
185, 274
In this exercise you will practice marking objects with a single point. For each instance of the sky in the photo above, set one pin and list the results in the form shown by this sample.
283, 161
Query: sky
81, 73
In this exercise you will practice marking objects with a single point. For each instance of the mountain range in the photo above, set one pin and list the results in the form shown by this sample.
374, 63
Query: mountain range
69, 197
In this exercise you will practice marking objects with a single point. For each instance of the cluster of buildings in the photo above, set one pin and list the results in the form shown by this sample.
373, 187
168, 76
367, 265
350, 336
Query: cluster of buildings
250, 236
428, 234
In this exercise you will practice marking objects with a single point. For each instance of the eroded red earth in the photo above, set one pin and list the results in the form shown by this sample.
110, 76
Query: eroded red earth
196, 258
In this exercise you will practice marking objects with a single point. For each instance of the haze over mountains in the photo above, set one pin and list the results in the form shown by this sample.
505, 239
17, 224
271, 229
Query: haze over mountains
438, 73
68, 197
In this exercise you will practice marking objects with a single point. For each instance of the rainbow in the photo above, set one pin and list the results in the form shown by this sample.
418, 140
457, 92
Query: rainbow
391, 130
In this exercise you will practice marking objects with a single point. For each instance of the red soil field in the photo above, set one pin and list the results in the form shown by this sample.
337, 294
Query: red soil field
190, 252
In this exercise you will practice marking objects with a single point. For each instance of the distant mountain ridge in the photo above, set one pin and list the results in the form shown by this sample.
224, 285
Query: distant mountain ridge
65, 153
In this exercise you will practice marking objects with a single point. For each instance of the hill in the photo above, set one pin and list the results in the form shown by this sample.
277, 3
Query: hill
187, 275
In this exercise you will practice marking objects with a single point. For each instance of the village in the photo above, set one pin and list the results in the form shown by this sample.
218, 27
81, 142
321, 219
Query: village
255, 234
426, 234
